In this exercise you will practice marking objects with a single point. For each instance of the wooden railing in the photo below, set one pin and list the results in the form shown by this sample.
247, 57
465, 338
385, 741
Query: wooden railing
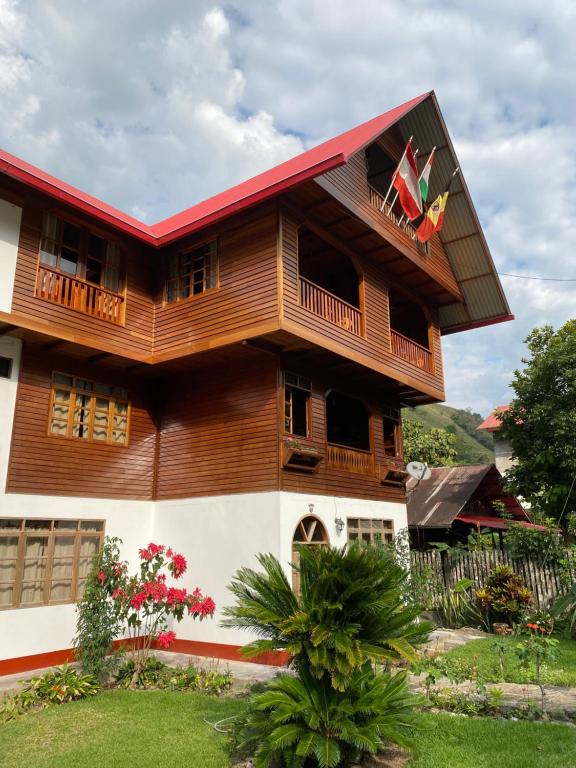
330, 307
410, 351
350, 459
377, 200
77, 294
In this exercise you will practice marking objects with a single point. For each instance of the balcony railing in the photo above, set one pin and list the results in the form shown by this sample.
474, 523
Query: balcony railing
412, 352
377, 200
77, 294
330, 307
350, 459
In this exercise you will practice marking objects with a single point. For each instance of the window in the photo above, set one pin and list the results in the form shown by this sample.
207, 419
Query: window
86, 410
191, 272
74, 251
347, 422
392, 432
297, 391
370, 531
5, 367
45, 561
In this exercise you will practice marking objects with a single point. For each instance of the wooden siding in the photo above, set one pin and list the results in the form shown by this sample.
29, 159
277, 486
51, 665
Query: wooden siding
350, 184
40, 463
374, 349
133, 336
330, 481
246, 296
219, 431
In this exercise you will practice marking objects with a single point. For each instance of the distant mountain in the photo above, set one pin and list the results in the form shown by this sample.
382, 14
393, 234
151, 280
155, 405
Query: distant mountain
472, 447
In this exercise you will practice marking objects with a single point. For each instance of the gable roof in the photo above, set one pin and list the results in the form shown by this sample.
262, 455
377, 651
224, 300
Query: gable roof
464, 243
437, 502
307, 165
492, 423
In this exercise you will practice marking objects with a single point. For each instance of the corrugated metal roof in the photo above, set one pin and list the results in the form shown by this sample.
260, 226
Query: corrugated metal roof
461, 235
436, 502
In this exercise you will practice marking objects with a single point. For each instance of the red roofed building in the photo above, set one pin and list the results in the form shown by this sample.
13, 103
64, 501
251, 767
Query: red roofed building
502, 448
227, 381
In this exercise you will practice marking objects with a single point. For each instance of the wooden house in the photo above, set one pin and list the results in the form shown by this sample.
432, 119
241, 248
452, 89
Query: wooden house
227, 381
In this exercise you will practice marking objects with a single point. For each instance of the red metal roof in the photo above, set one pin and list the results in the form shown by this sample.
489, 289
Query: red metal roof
308, 165
493, 423
496, 522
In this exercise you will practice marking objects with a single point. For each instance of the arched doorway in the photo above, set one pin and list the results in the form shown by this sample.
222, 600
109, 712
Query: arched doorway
310, 532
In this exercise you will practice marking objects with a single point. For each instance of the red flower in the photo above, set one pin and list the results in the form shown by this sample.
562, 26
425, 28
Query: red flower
145, 554
165, 639
118, 593
178, 565
138, 600
101, 577
175, 596
532, 626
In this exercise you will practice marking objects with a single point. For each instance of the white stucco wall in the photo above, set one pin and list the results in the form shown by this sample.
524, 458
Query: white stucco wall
10, 217
11, 348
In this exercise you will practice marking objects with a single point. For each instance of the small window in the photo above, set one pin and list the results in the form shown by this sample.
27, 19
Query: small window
85, 410
191, 272
370, 531
297, 391
392, 432
44, 562
5, 367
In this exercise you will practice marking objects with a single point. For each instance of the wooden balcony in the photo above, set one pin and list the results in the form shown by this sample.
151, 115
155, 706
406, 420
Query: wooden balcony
412, 352
330, 307
72, 293
377, 201
350, 459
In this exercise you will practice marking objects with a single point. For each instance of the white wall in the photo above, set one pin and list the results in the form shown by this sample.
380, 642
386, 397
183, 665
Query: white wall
27, 631
10, 217
11, 348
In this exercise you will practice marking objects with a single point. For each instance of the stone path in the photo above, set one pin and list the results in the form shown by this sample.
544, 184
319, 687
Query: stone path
442, 640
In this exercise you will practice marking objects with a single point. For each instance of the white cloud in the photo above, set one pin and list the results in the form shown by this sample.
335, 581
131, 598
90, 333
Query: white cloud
154, 106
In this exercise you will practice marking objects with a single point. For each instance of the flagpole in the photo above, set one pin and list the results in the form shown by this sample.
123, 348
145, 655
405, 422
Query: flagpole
397, 193
419, 177
395, 172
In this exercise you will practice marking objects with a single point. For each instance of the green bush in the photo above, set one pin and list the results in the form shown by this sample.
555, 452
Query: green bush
298, 719
504, 597
564, 609
158, 675
99, 619
350, 613
457, 607
150, 675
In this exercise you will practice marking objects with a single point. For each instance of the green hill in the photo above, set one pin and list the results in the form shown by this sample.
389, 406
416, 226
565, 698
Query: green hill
472, 447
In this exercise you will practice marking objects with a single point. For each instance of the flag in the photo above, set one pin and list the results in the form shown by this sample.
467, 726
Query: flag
425, 177
434, 218
406, 182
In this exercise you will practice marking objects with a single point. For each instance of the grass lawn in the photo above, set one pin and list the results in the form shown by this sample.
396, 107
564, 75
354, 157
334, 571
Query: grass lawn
479, 660
161, 729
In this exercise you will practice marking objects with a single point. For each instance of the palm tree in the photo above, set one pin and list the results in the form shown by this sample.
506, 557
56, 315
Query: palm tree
350, 609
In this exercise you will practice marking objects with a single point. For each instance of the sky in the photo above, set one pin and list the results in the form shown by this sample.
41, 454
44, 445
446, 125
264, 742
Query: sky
153, 106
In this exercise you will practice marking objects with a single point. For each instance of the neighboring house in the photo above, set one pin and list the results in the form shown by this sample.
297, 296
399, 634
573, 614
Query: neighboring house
456, 501
227, 381
502, 448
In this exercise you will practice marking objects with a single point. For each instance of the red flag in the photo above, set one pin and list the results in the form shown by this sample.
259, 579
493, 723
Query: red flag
407, 184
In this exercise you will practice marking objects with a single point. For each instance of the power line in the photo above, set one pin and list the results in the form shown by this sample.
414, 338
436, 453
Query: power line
531, 277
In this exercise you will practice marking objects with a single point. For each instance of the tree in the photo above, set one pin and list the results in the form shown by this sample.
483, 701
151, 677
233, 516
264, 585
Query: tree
435, 447
541, 422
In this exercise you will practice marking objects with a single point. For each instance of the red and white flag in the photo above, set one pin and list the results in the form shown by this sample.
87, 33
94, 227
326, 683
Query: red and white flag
407, 184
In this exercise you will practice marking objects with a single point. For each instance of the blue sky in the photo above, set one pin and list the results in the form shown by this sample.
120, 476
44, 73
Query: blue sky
153, 106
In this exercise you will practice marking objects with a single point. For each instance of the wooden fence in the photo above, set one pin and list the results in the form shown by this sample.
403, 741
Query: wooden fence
441, 571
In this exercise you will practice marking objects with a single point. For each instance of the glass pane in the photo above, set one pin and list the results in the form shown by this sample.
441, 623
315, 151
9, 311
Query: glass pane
84, 384
81, 583
63, 546
7, 570
6, 594
118, 437
70, 235
48, 254
96, 247
62, 568
80, 430
121, 408
91, 525
120, 422
8, 523
59, 428
62, 398
61, 590
32, 592
62, 378
89, 546
34, 569
38, 525
103, 389
8, 547
65, 525
93, 271
68, 261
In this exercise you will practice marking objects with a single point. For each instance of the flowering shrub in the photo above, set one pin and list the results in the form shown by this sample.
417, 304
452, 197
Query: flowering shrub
145, 601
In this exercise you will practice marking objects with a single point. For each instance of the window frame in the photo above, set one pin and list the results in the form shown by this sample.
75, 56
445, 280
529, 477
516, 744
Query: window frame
83, 252
386, 529
214, 243
50, 532
303, 384
392, 415
74, 390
